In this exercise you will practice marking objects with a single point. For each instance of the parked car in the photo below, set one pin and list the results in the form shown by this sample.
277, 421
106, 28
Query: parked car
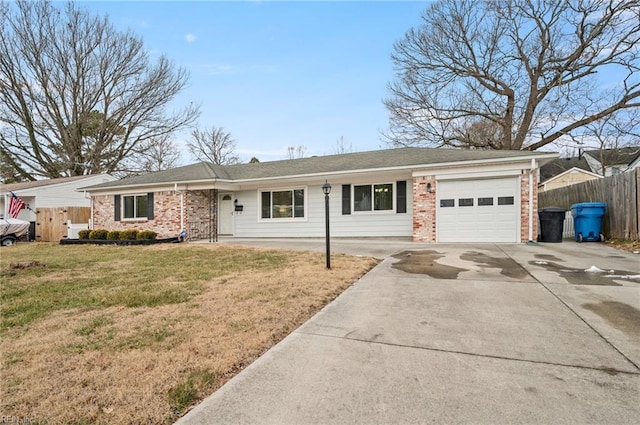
11, 229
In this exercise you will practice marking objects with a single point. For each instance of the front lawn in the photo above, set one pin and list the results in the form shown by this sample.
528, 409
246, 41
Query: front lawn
138, 334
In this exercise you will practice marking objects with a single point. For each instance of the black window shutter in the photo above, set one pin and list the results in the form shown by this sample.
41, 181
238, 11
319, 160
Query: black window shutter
401, 197
116, 207
150, 205
346, 199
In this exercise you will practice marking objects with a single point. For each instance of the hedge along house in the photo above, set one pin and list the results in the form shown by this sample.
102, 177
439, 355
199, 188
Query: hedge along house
428, 195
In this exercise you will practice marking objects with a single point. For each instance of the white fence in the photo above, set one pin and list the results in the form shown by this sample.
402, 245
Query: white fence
74, 228
567, 229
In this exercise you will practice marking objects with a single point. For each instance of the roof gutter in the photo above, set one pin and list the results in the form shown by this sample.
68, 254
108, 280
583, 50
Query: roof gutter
168, 184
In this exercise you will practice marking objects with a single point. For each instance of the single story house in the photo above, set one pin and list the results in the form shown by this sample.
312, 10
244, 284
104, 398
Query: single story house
425, 194
51, 203
563, 172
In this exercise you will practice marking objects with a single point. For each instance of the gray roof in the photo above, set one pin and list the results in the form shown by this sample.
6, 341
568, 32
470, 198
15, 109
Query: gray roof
619, 156
560, 165
380, 159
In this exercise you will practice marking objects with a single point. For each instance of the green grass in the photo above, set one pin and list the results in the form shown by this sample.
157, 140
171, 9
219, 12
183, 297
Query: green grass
188, 391
92, 277
100, 334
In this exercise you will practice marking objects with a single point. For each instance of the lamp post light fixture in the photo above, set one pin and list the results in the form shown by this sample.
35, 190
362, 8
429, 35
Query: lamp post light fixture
326, 189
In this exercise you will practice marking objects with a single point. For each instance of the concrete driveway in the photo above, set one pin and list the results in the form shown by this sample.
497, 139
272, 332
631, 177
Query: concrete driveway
491, 334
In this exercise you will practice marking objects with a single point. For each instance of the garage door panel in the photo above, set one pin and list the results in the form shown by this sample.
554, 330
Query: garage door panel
479, 223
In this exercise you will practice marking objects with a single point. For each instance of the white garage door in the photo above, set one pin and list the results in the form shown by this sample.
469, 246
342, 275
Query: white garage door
483, 210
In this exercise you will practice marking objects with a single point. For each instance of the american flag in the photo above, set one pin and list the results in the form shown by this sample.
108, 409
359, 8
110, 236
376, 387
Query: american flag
15, 205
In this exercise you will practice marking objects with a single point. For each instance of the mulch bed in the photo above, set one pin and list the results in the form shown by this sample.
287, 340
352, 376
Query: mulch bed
118, 242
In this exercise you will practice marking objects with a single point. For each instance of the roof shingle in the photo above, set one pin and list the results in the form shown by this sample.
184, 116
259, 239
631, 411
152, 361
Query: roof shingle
618, 156
380, 159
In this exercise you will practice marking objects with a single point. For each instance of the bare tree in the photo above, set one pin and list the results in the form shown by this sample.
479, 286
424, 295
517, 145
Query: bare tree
530, 68
484, 133
342, 146
213, 145
78, 96
611, 132
160, 154
294, 152
7, 172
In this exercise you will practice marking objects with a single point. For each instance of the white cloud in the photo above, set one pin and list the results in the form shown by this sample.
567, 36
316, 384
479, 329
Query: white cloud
190, 38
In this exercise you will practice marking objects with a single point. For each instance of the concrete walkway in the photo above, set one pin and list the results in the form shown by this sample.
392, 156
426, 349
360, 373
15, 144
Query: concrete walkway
491, 334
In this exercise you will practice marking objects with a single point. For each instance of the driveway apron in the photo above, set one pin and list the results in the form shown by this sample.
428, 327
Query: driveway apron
457, 334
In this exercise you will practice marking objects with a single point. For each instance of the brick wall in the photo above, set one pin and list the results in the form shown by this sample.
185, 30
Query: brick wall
524, 206
424, 209
103, 212
166, 221
200, 224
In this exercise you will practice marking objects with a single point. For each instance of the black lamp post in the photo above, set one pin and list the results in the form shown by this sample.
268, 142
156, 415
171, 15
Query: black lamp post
326, 189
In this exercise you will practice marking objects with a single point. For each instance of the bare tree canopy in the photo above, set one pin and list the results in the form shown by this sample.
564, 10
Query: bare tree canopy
213, 145
294, 152
78, 96
514, 74
342, 146
159, 154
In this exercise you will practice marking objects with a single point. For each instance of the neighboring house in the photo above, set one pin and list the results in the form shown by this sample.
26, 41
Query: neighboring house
43, 198
431, 195
608, 162
563, 172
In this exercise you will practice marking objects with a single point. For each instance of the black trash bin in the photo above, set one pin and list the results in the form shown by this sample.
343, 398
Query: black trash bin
551, 223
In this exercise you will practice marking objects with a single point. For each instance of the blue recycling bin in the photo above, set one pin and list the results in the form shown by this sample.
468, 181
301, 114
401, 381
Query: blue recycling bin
587, 221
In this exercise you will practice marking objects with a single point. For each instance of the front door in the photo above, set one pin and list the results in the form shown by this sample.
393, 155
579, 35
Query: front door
225, 215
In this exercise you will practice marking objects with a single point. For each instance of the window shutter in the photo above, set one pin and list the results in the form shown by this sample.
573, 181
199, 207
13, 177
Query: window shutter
116, 207
150, 205
346, 199
401, 197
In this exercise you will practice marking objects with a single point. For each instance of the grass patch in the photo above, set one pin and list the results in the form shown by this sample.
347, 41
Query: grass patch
93, 325
105, 276
138, 334
189, 391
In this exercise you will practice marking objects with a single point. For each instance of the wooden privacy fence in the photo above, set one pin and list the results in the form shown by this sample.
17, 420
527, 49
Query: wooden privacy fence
619, 192
51, 223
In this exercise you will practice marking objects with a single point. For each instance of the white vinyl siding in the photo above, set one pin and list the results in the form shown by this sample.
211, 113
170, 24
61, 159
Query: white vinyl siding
482, 210
62, 194
387, 224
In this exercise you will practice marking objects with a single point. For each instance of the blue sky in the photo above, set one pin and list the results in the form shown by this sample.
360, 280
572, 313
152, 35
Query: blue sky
277, 74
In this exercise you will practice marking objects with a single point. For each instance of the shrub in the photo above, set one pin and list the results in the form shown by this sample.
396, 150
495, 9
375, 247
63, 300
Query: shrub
147, 235
84, 234
129, 234
98, 234
113, 235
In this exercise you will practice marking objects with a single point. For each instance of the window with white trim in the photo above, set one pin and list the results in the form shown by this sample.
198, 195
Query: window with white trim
373, 197
279, 204
135, 206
